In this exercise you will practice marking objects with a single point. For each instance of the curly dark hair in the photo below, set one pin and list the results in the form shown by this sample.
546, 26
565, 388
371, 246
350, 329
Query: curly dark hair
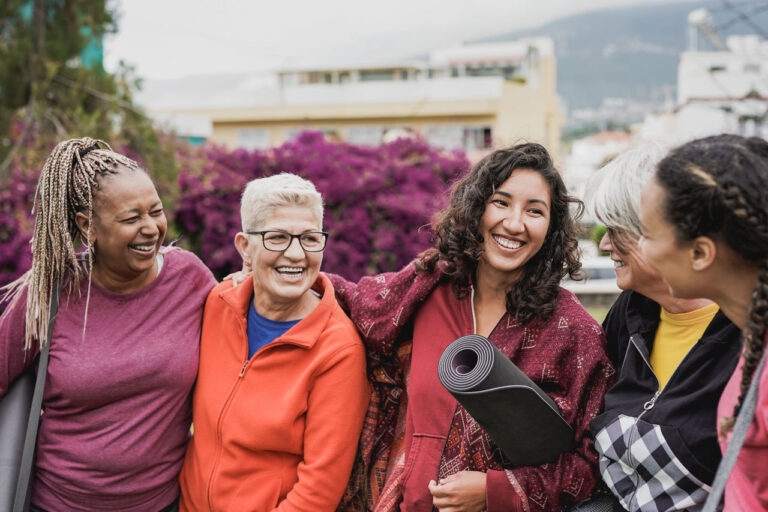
459, 243
716, 187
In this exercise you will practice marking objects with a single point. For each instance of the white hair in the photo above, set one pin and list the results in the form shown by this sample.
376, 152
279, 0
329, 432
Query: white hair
263, 195
614, 191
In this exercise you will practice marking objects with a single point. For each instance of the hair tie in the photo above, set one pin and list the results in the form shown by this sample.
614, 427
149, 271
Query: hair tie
88, 150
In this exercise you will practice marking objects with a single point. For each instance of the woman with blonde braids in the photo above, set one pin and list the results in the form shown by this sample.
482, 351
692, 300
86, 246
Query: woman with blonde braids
705, 229
124, 350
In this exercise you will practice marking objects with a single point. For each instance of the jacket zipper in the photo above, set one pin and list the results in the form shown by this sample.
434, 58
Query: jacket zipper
224, 409
219, 422
647, 406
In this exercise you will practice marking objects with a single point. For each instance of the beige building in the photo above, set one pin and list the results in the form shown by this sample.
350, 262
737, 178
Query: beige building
472, 97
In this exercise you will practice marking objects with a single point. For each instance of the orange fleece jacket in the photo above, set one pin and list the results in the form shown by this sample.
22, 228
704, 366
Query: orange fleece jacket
278, 431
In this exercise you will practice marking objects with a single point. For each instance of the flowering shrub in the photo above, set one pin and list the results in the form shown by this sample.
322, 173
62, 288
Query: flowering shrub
378, 200
16, 225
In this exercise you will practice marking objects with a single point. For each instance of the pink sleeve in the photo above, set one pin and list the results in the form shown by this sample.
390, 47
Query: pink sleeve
13, 358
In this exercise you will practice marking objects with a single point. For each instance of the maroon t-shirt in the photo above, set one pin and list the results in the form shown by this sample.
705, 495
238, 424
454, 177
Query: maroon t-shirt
116, 404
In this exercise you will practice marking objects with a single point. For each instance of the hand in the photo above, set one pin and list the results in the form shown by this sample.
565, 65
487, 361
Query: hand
460, 492
241, 275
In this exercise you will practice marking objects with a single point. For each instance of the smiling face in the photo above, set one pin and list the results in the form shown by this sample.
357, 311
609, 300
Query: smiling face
514, 225
661, 249
632, 271
281, 280
127, 231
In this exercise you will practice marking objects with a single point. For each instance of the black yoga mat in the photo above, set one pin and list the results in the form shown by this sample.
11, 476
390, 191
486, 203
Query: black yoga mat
520, 418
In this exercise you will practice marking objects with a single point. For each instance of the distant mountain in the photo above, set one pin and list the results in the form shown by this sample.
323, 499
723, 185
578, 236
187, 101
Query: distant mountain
631, 52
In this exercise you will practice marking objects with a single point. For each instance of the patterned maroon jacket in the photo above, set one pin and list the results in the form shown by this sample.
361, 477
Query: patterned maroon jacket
577, 376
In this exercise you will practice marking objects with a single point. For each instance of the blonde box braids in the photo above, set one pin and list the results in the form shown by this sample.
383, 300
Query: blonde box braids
66, 186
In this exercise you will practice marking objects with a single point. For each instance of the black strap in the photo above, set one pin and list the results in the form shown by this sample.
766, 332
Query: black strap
740, 429
23, 489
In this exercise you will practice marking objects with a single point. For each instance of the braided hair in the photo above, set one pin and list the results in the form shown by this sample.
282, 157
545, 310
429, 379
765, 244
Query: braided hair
716, 186
66, 187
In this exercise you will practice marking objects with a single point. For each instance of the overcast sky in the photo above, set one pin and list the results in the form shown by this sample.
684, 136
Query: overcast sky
176, 38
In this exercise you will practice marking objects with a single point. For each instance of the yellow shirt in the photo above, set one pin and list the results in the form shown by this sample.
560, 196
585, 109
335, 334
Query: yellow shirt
677, 333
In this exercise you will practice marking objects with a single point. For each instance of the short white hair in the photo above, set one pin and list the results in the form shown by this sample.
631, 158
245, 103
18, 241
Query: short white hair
615, 190
263, 196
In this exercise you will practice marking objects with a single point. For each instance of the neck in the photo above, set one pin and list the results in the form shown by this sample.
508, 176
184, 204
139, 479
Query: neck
492, 285
285, 311
114, 282
734, 295
658, 291
674, 305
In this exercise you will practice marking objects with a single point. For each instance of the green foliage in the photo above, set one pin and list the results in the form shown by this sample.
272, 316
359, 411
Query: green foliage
596, 233
47, 93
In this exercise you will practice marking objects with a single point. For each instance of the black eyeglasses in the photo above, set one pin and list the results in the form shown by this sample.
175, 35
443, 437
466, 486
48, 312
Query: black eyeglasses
279, 241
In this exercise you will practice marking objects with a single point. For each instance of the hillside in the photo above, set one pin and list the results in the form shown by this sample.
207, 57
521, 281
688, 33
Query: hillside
629, 52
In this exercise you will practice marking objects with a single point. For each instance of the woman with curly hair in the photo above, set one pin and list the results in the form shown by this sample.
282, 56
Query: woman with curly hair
705, 230
503, 245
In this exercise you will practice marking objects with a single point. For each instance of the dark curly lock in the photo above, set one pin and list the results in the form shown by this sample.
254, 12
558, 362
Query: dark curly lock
460, 243
716, 187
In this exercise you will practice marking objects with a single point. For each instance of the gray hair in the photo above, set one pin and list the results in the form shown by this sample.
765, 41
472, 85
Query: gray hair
616, 188
263, 195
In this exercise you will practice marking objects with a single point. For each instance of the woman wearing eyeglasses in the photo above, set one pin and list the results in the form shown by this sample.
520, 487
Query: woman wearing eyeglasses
282, 388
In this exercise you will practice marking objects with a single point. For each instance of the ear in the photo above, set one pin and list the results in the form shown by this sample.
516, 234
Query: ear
242, 243
702, 253
83, 222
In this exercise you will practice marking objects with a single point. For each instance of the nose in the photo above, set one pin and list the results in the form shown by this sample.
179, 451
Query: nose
294, 249
605, 244
149, 226
514, 223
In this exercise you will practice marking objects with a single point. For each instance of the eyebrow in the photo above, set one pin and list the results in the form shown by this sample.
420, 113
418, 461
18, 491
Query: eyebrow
541, 201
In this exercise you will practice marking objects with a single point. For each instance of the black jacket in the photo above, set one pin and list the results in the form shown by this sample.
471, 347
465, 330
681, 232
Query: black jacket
679, 422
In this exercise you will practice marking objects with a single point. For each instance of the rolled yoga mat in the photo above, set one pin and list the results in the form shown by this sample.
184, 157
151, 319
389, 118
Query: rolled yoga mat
516, 413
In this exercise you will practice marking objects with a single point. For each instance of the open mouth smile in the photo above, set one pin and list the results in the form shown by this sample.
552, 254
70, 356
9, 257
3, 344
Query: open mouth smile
145, 248
508, 243
290, 273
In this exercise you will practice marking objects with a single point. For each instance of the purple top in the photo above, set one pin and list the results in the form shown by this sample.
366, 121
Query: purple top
117, 402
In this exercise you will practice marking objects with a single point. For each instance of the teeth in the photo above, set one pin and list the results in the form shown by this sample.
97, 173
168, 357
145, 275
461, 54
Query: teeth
147, 247
509, 244
291, 270
617, 264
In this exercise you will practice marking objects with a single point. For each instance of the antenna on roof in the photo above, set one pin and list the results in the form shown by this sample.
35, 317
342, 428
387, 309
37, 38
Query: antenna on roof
700, 24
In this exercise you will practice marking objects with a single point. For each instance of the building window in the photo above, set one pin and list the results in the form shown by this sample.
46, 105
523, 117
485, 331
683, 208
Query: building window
365, 135
330, 134
253, 138
448, 136
477, 137
377, 75
752, 67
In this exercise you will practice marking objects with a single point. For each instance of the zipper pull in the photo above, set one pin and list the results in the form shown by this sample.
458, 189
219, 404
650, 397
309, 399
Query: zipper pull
242, 370
647, 406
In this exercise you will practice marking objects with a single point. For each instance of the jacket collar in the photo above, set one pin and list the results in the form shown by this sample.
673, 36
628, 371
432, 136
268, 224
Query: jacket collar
308, 330
643, 316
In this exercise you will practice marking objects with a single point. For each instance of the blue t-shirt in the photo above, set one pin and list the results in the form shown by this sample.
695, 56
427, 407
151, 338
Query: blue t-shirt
263, 330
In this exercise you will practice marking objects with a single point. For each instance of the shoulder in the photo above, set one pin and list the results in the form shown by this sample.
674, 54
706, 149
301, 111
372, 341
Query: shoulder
576, 329
186, 265
339, 325
568, 310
